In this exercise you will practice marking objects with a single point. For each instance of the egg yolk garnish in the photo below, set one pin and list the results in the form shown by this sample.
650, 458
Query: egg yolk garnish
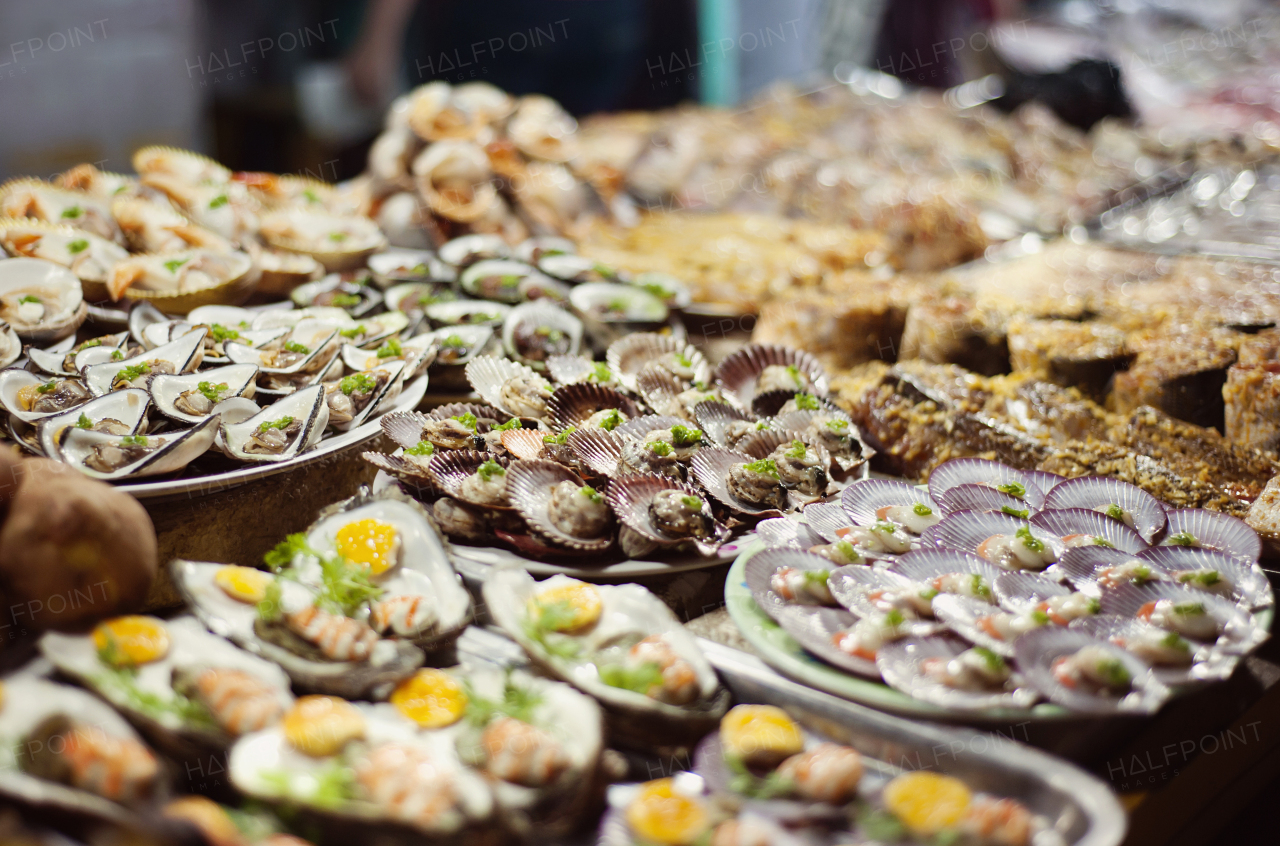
431, 698
130, 641
755, 732
568, 607
927, 803
660, 815
244, 584
320, 726
369, 542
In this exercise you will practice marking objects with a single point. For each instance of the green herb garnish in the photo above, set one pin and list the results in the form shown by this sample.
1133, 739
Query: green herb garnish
490, 469
467, 419
994, 662
848, 551
1097, 541
881, 826
453, 341
346, 588
660, 448
640, 678
518, 703
797, 379
921, 510
509, 280
796, 450
421, 448
838, 425
47, 386
1173, 640
1029, 540
561, 438
123, 680
1203, 578
295, 347
28, 299
79, 245
1016, 489
345, 300
117, 356
591, 493
1021, 513
683, 360
1115, 512
1189, 609
134, 440
218, 201
685, 435
281, 424
600, 372
337, 237
133, 371
807, 402
213, 393
221, 333
693, 503
513, 423
1040, 618
390, 349
1182, 539
83, 421
172, 265
765, 467
1113, 672
894, 618
71, 213
979, 586
611, 420
329, 787
746, 783
357, 382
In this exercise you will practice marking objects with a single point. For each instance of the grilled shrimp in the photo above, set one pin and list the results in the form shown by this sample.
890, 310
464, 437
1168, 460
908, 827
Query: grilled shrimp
742, 833
407, 783
826, 773
403, 615
240, 702
998, 821
116, 768
679, 678
522, 754
339, 638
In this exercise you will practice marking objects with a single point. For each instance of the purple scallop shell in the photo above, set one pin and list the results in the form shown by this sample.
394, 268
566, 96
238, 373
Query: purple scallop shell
737, 373
900, 665
850, 585
714, 417
1037, 650
572, 405
597, 449
816, 628
630, 498
1080, 566
1019, 591
1064, 522
826, 518
974, 497
760, 568
1239, 632
771, 403
926, 564
962, 613
785, 533
861, 499
1251, 587
1205, 664
1213, 530
528, 486
412, 475
711, 465
966, 530
450, 468
1098, 492
979, 471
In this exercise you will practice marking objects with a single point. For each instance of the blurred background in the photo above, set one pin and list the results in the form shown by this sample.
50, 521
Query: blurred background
297, 86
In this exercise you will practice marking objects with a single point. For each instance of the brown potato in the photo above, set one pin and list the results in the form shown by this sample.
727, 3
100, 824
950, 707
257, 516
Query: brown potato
72, 550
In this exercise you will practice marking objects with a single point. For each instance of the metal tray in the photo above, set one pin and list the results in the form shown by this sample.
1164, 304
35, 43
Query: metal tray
1080, 807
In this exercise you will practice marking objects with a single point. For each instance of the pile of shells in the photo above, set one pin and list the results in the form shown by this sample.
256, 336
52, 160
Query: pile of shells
648, 450
997, 587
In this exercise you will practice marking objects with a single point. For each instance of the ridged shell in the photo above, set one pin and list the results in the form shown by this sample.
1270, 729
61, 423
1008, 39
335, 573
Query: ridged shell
714, 417
1205, 664
760, 568
92, 261
923, 565
816, 628
598, 450
638, 427
785, 533
184, 164
307, 405
971, 497
404, 427
798, 422
405, 471
979, 471
449, 469
1239, 632
659, 388
361, 236
826, 518
1080, 566
129, 406
1214, 530
1038, 650
1098, 492
165, 389
630, 497
1019, 591
738, 373
1065, 522
962, 613
483, 413
863, 498
900, 664
488, 374
629, 355
235, 287
572, 405
772, 403
851, 585
965, 530
1252, 590
711, 466
176, 450
529, 486
524, 444
572, 369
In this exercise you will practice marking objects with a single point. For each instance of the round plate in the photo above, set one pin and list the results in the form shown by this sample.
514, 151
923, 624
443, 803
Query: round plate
631, 568
780, 651
197, 485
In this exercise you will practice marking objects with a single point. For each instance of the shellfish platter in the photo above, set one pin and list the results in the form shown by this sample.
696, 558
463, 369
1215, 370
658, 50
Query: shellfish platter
650, 453
993, 589
306, 678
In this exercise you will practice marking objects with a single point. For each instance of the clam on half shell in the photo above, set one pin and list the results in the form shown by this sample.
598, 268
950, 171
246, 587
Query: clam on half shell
167, 452
166, 390
129, 407
41, 301
184, 355
306, 408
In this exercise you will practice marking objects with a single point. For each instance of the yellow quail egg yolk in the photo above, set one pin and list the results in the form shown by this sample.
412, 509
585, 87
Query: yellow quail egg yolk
431, 698
927, 803
370, 542
660, 815
568, 607
130, 641
243, 583
752, 732
320, 726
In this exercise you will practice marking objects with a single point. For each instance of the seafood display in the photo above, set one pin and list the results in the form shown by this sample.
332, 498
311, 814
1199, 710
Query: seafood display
583, 466
997, 588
